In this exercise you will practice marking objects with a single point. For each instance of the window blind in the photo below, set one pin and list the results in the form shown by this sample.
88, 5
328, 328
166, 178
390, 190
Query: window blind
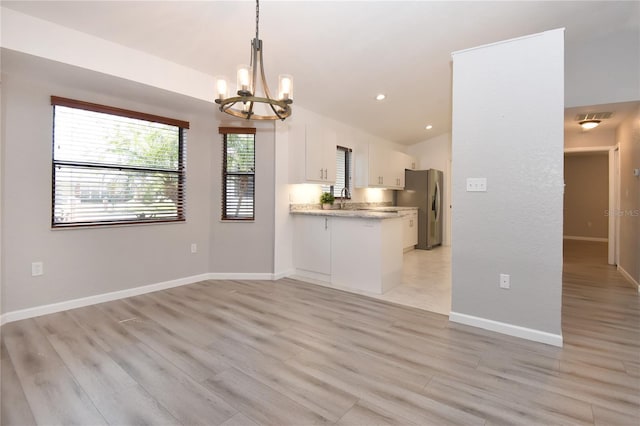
238, 175
343, 172
109, 168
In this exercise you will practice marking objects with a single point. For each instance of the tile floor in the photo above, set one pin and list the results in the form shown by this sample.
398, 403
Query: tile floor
426, 281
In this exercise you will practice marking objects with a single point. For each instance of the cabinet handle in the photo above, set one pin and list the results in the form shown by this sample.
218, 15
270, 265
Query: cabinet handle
320, 174
326, 223
325, 174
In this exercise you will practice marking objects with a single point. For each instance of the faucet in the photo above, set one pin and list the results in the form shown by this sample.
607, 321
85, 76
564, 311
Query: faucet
343, 195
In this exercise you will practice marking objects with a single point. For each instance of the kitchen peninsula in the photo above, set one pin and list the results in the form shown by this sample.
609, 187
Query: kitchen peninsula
357, 250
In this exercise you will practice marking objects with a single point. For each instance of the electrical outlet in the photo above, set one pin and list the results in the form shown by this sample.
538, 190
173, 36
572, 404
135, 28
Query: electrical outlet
194, 248
37, 269
476, 184
505, 281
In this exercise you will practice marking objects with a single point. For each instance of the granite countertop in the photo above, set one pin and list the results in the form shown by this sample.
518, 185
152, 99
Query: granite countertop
368, 213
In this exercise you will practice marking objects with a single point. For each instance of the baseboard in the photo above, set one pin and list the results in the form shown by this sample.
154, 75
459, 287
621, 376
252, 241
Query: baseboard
508, 329
599, 240
259, 276
283, 274
99, 298
628, 276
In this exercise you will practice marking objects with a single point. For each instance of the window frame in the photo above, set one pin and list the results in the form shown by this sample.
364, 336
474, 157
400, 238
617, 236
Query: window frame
225, 131
114, 111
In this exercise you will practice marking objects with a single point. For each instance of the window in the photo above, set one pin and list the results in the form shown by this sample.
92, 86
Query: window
113, 166
343, 173
238, 173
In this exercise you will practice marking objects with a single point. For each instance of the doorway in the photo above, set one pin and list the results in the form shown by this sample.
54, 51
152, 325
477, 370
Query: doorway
591, 197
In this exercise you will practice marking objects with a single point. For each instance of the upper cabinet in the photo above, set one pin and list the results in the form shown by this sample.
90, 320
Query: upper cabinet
312, 154
381, 167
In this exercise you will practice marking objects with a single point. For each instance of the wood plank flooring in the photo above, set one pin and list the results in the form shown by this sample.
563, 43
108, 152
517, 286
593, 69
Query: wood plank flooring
249, 353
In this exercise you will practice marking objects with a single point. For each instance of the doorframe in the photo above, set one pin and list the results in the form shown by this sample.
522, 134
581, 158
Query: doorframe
613, 240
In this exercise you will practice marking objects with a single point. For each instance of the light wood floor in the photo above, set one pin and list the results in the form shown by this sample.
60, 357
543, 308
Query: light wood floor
290, 353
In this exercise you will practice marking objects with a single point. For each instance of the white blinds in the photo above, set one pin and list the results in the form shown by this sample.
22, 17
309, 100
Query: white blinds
238, 176
113, 169
343, 172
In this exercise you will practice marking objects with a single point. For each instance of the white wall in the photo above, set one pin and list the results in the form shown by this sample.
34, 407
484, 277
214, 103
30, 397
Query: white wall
435, 153
628, 136
515, 227
604, 70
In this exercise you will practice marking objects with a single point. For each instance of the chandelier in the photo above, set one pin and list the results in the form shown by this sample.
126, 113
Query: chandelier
246, 100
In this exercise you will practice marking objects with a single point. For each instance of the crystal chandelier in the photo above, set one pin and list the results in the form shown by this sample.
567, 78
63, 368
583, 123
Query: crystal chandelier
246, 100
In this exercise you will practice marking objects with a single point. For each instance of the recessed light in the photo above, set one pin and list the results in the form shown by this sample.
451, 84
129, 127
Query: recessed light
380, 97
429, 127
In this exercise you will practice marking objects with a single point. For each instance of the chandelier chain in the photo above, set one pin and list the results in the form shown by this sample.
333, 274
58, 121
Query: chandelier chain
257, 17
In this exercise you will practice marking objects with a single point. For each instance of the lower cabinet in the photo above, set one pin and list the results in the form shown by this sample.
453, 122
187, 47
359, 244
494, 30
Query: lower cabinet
312, 245
350, 253
409, 229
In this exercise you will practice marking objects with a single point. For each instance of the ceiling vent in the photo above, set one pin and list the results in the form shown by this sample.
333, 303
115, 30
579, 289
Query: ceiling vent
593, 116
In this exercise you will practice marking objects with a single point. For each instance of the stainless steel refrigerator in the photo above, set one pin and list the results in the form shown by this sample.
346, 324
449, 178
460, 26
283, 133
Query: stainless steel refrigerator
423, 189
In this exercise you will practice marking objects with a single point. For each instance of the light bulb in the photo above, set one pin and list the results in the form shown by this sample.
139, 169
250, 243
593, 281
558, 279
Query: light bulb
222, 87
285, 87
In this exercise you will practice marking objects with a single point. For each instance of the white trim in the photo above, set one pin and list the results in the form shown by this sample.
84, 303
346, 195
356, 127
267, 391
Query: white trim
457, 52
258, 276
37, 311
628, 277
571, 237
509, 329
283, 274
604, 148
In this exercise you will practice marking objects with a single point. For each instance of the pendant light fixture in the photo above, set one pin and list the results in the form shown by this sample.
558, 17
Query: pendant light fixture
589, 124
244, 104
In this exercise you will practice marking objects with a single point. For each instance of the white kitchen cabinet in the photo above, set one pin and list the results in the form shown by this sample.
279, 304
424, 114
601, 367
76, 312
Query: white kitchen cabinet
381, 167
312, 154
312, 246
348, 252
366, 254
409, 229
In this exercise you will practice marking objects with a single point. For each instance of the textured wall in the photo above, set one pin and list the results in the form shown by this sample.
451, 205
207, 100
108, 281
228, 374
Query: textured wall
516, 226
628, 136
586, 195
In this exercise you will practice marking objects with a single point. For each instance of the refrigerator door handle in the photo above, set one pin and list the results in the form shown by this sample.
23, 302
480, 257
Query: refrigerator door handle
437, 201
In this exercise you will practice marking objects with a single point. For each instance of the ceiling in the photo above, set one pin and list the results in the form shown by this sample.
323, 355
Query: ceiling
620, 111
341, 53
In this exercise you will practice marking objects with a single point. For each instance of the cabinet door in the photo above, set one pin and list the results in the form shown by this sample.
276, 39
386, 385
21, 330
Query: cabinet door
330, 145
314, 155
413, 227
409, 229
320, 155
312, 244
378, 166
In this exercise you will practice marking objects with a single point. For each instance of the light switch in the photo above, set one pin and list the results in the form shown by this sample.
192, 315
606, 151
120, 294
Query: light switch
476, 184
